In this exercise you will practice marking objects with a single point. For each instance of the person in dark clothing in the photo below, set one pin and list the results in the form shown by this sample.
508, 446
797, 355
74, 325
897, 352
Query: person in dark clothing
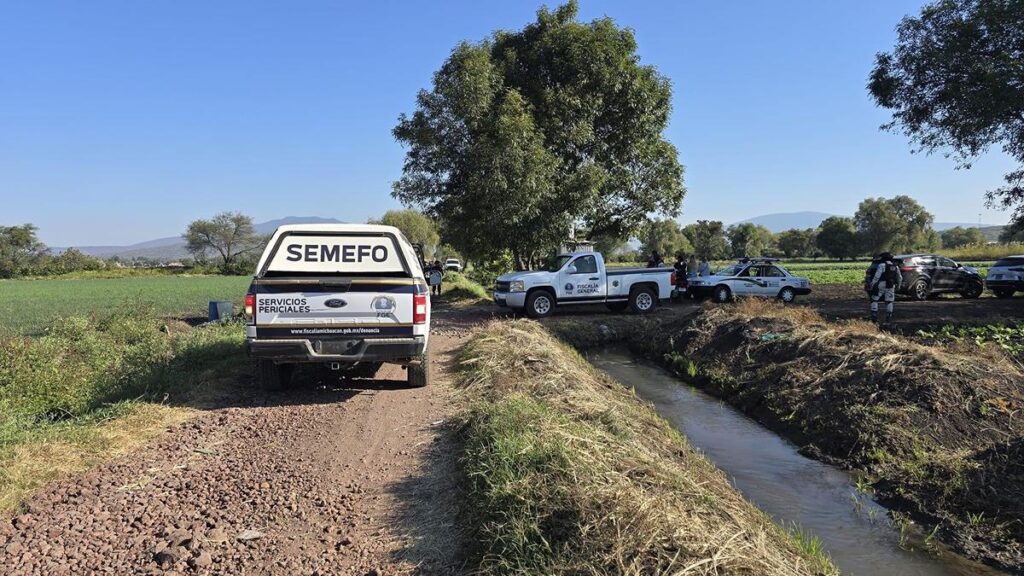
680, 265
435, 277
655, 261
883, 284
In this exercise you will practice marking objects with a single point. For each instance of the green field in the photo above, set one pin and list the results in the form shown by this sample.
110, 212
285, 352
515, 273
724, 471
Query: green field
27, 306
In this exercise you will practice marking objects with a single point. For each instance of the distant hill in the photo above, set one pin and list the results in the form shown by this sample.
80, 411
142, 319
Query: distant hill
787, 220
173, 247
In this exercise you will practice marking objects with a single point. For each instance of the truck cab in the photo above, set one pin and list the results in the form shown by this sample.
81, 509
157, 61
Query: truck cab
583, 278
349, 297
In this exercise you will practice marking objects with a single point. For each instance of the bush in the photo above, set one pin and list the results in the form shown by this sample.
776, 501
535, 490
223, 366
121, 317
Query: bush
81, 365
458, 287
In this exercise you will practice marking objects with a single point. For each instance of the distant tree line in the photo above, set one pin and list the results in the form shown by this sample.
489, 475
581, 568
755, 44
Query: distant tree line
23, 254
897, 224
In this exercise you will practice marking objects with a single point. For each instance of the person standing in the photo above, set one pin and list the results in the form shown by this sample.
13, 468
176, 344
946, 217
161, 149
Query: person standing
691, 266
883, 285
705, 267
436, 277
655, 260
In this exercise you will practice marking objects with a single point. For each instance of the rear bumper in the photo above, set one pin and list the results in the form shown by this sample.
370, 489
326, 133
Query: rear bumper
1016, 285
802, 291
347, 351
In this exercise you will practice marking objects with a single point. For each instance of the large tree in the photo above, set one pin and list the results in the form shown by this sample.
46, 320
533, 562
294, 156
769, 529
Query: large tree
229, 235
796, 243
958, 236
955, 83
837, 237
666, 237
748, 239
416, 227
708, 239
530, 133
896, 224
20, 250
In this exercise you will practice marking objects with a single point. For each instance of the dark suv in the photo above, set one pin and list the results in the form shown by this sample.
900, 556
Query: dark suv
925, 275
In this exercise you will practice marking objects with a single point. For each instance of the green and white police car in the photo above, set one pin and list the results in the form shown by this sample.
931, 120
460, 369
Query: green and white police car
760, 277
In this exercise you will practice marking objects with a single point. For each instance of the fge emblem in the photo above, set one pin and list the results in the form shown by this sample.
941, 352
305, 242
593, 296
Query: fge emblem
568, 287
383, 306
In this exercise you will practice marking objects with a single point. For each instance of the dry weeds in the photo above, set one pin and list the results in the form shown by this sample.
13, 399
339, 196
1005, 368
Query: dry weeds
570, 473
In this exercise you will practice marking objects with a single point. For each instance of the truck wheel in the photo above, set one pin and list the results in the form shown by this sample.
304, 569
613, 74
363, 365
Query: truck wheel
642, 300
787, 295
419, 373
973, 290
723, 294
920, 289
270, 376
540, 304
1003, 293
618, 306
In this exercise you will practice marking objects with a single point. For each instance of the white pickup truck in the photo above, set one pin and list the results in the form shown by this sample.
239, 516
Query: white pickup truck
582, 278
346, 296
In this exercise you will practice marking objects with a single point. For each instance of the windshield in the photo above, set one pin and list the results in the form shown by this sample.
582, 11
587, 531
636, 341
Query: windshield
731, 270
555, 264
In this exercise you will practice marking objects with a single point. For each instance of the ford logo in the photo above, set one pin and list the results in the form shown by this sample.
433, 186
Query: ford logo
335, 303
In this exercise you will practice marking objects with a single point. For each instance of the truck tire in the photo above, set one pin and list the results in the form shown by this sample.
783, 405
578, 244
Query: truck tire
419, 372
1003, 292
540, 304
642, 300
920, 290
271, 376
787, 295
973, 290
722, 294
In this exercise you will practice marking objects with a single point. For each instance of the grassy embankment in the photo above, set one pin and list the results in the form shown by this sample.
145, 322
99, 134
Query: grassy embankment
459, 288
90, 389
935, 428
567, 472
27, 306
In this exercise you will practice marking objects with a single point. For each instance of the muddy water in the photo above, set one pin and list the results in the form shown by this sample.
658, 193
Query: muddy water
790, 487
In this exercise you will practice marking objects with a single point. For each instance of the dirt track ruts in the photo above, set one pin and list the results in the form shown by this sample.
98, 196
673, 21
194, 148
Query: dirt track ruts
336, 478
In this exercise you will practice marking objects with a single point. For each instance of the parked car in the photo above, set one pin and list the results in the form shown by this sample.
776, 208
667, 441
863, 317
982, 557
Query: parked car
453, 264
926, 275
346, 296
1006, 276
581, 278
763, 277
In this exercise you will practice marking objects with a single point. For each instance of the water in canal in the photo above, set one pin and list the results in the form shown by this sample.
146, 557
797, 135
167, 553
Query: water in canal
769, 471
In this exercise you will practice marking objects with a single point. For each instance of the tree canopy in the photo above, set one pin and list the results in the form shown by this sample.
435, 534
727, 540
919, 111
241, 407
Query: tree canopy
896, 224
416, 227
20, 248
955, 83
228, 235
666, 237
795, 243
708, 239
958, 236
749, 239
837, 237
529, 133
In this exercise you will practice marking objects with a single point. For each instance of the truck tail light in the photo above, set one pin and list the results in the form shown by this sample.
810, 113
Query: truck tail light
419, 308
673, 278
250, 306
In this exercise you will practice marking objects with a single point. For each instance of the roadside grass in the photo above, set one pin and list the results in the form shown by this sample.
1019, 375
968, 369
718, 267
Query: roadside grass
568, 472
458, 287
28, 306
89, 389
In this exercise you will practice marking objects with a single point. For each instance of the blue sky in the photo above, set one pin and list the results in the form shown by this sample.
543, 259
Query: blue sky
123, 121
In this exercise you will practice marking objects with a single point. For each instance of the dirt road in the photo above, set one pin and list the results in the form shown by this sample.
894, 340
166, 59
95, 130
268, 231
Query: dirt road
334, 477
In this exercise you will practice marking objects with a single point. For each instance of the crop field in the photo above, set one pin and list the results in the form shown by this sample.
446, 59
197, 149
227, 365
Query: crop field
28, 306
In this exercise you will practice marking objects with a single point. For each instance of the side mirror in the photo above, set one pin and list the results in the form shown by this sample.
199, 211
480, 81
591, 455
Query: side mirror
571, 269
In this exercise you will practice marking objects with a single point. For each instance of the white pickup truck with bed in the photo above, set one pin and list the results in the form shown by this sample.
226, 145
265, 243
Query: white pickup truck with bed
582, 278
346, 296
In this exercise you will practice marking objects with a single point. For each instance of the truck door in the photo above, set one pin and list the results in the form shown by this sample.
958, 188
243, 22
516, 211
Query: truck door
581, 280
